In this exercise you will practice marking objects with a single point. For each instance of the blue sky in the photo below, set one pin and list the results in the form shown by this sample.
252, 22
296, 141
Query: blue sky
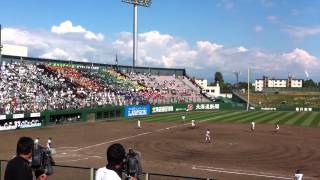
275, 38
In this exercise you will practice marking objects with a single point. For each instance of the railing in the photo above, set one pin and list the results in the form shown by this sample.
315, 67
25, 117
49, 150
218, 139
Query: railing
89, 173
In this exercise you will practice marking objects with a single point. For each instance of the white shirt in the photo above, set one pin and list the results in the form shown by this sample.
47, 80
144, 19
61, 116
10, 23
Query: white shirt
106, 174
252, 125
298, 176
192, 123
49, 143
207, 133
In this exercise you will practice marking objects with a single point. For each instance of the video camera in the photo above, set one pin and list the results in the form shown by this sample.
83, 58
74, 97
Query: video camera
132, 164
42, 159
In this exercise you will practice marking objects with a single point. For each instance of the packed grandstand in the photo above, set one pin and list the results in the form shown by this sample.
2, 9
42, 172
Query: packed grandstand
35, 85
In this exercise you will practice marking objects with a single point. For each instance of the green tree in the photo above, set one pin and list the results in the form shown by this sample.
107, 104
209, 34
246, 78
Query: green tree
309, 83
244, 85
218, 78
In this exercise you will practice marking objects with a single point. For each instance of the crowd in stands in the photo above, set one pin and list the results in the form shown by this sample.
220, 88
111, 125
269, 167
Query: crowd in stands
26, 87
167, 88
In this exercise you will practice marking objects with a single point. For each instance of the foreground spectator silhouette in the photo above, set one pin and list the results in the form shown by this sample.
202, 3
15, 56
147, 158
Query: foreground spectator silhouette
18, 168
113, 170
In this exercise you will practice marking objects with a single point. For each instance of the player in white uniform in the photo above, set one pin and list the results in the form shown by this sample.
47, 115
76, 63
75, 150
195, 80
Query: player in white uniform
276, 128
253, 124
139, 124
208, 139
49, 143
193, 125
298, 175
36, 142
183, 118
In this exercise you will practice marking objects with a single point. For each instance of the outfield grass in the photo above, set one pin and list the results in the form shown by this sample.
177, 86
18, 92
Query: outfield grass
307, 119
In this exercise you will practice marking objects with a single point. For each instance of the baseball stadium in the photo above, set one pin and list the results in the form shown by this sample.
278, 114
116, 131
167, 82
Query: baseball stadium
166, 115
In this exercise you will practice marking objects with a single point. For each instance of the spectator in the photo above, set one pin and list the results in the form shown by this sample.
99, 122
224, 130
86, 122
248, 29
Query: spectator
113, 170
18, 168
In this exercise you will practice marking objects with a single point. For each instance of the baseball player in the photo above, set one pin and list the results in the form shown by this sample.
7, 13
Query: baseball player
253, 124
193, 125
36, 142
276, 128
208, 139
49, 143
139, 124
183, 118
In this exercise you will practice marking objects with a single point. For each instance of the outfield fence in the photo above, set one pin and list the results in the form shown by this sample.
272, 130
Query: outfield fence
84, 173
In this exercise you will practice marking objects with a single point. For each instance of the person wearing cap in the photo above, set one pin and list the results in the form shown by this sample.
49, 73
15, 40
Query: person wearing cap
40, 174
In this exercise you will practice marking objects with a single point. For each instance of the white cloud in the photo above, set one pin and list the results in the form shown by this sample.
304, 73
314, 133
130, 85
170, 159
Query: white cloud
90, 35
301, 57
201, 59
258, 28
299, 32
208, 46
68, 27
56, 53
22, 37
242, 49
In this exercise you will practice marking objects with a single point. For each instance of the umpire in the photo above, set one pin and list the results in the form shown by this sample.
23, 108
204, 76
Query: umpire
18, 168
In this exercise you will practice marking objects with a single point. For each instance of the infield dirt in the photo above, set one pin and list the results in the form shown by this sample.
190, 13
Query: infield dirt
175, 148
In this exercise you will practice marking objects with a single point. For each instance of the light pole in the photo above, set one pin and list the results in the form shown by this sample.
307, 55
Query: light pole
136, 3
248, 102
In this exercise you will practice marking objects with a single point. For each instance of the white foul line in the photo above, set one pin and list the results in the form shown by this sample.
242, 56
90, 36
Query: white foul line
130, 137
239, 173
107, 142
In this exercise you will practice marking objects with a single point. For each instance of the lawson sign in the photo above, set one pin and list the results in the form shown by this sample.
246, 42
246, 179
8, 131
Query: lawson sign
139, 110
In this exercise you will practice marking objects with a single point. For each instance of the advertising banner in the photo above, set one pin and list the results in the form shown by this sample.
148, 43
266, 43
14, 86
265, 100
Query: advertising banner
2, 117
35, 114
20, 124
17, 116
139, 110
160, 109
207, 106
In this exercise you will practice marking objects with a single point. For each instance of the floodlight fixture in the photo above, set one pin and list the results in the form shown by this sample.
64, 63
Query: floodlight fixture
145, 3
136, 3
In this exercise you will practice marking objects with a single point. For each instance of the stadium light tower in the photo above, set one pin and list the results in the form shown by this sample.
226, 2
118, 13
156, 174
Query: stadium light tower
136, 3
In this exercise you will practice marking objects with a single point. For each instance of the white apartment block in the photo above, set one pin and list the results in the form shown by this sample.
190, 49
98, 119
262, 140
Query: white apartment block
212, 91
267, 82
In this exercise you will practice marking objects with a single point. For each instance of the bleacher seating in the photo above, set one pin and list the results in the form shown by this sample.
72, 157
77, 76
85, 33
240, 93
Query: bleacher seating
37, 87
166, 89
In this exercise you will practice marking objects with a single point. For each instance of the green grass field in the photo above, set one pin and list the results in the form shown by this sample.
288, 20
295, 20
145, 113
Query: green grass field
307, 119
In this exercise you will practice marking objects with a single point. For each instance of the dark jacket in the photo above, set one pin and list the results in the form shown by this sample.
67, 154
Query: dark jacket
18, 169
